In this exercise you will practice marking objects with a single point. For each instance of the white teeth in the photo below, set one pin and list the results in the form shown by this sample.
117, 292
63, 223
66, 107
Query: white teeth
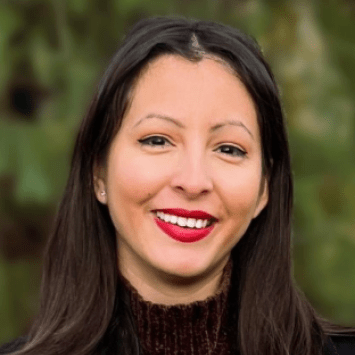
174, 219
192, 223
167, 218
183, 222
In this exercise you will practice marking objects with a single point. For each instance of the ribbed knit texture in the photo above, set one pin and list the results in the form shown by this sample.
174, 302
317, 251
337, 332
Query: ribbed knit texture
198, 328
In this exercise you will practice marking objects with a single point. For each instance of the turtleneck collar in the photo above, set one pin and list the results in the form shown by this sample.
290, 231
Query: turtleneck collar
197, 328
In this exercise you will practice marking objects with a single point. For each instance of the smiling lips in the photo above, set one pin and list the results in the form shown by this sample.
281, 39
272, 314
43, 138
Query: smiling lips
181, 234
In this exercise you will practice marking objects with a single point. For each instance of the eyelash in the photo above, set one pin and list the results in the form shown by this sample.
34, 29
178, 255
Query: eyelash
240, 153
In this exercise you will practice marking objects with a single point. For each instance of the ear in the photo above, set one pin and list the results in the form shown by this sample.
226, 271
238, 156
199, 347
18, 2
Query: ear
263, 197
100, 184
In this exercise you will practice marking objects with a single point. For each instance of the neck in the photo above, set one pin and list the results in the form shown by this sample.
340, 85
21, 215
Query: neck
197, 328
170, 290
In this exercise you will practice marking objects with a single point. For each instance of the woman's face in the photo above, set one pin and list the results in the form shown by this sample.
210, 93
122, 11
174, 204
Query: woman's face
186, 165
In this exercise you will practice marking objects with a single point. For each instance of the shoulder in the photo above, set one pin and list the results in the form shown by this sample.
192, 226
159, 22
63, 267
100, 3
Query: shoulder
13, 345
340, 344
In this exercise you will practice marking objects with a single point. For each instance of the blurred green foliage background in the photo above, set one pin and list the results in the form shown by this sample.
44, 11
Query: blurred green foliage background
52, 54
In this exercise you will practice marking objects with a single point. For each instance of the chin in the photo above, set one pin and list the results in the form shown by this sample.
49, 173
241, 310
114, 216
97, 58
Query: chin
184, 270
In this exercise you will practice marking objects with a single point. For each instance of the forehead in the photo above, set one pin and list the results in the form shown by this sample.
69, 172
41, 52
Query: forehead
176, 86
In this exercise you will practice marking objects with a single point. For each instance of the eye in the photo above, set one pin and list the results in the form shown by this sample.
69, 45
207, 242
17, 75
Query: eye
158, 140
236, 152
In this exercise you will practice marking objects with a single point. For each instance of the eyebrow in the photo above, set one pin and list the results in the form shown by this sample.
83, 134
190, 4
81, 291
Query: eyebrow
180, 125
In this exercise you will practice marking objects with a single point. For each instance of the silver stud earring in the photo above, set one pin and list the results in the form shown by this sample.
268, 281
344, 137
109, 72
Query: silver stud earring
103, 193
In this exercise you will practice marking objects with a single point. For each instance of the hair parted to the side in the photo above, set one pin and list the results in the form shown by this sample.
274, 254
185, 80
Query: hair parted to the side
84, 308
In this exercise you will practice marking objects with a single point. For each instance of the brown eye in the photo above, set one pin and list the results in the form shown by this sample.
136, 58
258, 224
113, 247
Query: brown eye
232, 151
153, 141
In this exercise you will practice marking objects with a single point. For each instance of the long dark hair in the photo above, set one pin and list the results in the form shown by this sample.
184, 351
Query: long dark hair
84, 307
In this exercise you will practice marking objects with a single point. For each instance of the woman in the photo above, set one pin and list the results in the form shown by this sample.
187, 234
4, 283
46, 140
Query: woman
173, 235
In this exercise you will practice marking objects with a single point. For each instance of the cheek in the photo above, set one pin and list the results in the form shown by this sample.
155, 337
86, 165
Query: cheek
134, 176
241, 192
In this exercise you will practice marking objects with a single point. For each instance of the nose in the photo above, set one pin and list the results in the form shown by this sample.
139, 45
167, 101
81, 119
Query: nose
192, 176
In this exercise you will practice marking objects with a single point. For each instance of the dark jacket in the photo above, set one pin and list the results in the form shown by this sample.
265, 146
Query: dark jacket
337, 345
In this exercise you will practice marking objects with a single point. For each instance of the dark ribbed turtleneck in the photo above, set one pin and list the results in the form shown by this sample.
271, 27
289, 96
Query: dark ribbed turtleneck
197, 328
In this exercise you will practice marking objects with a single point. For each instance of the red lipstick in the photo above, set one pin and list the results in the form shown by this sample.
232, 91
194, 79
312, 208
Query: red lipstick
181, 234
